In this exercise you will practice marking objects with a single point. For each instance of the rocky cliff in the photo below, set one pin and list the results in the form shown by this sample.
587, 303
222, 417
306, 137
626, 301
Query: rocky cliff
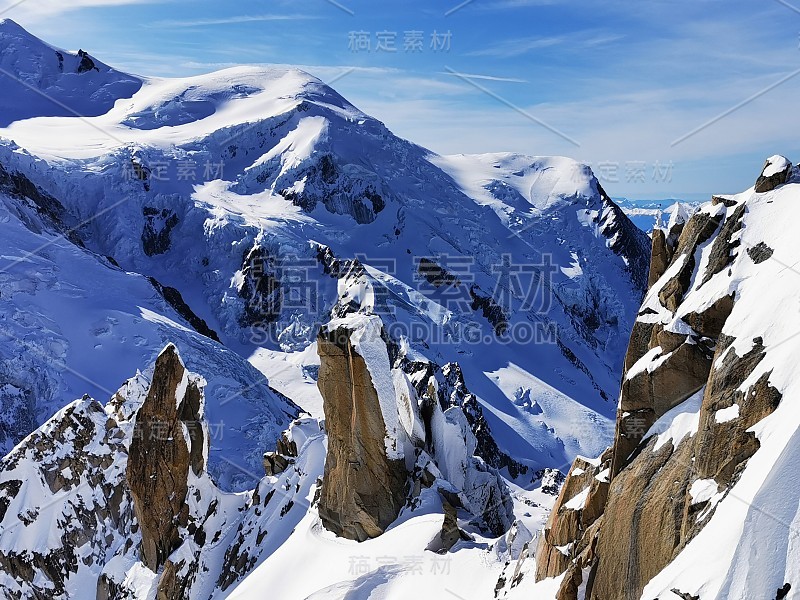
386, 442
692, 501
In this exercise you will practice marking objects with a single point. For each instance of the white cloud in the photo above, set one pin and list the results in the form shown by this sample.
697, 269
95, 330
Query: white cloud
518, 47
235, 20
33, 11
484, 77
575, 41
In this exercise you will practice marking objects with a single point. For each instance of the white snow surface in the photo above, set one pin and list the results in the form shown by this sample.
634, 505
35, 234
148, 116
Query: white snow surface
678, 423
776, 164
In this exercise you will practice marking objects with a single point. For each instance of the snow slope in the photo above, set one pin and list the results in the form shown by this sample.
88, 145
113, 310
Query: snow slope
73, 323
38, 79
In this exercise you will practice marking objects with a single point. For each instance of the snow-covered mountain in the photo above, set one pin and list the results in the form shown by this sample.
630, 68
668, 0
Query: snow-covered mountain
697, 498
651, 214
40, 80
240, 216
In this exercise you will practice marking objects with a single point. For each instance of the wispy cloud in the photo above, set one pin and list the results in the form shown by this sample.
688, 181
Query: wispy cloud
483, 77
31, 11
235, 20
518, 47
521, 46
520, 3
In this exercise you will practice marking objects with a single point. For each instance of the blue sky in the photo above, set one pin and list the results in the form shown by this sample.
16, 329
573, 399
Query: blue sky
619, 84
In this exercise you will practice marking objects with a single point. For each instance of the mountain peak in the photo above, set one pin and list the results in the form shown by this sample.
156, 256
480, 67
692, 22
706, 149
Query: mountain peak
11, 29
11, 25
41, 80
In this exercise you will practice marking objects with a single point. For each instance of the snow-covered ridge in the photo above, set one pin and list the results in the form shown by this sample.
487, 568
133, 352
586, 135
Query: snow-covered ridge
707, 428
40, 80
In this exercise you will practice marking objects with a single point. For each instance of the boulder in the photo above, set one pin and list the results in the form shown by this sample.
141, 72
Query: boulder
777, 171
275, 463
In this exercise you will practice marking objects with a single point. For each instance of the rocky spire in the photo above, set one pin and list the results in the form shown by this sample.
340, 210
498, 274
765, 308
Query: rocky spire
169, 441
363, 488
386, 442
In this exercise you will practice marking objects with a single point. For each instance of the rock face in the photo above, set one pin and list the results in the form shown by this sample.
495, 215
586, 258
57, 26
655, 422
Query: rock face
157, 230
624, 238
67, 463
575, 517
169, 441
394, 429
260, 287
363, 488
341, 189
696, 390
176, 301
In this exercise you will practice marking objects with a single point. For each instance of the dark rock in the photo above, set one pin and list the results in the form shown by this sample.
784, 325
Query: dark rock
337, 190
684, 595
492, 311
721, 249
175, 300
435, 274
142, 173
760, 252
446, 387
450, 534
79, 429
86, 64
440, 277
17, 185
766, 183
728, 202
157, 230
626, 240
275, 463
261, 287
